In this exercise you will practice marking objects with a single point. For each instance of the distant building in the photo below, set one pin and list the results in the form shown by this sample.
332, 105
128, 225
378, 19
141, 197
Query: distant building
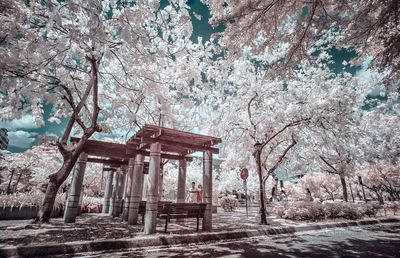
46, 139
285, 176
3, 138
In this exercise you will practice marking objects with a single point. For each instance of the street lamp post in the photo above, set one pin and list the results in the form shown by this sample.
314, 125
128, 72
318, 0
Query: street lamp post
257, 155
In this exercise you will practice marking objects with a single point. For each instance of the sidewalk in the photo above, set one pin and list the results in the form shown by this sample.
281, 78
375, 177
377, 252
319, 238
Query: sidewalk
95, 232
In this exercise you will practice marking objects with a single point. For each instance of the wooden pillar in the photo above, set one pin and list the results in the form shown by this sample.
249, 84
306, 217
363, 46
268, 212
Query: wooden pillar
160, 183
107, 192
181, 193
207, 187
120, 192
72, 207
128, 186
152, 189
80, 201
101, 180
116, 199
144, 192
136, 193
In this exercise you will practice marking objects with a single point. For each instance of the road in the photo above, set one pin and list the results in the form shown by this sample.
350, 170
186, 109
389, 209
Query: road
368, 241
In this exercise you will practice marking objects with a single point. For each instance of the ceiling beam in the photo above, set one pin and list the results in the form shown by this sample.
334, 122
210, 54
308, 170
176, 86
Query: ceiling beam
108, 161
109, 169
133, 152
172, 144
182, 133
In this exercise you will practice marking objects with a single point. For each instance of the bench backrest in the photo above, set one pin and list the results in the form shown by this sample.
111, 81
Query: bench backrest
142, 206
188, 209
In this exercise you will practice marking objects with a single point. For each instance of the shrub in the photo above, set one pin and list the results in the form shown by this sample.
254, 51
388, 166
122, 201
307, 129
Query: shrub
350, 211
29, 199
302, 211
280, 208
345, 210
395, 206
19, 200
228, 203
316, 210
332, 210
368, 209
91, 204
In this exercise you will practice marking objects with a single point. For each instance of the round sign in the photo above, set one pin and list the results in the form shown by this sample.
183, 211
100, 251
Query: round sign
244, 173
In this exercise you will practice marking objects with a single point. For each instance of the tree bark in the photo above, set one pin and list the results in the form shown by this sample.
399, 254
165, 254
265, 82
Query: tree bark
55, 181
262, 193
48, 202
9, 183
265, 194
380, 198
344, 187
16, 184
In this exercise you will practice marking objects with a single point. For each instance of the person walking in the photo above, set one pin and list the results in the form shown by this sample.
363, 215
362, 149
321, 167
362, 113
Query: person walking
308, 195
192, 193
199, 193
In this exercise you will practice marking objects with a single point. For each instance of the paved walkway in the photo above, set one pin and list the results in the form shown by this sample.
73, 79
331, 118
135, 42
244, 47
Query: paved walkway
95, 232
91, 226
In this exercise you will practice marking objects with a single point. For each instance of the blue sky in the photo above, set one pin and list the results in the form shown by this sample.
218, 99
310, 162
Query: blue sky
23, 132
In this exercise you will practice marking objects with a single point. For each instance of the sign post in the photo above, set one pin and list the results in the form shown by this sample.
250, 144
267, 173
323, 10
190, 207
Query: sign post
244, 174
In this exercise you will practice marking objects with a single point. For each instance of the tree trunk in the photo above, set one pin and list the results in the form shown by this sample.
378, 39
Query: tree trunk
380, 198
264, 191
262, 194
55, 181
344, 187
351, 191
332, 196
9, 183
48, 202
16, 184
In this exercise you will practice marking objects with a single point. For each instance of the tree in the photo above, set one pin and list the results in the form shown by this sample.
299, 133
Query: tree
321, 185
297, 29
380, 143
261, 116
18, 167
78, 56
30, 169
380, 179
278, 119
379, 162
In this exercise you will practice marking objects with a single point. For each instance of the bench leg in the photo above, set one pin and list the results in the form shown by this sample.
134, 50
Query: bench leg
166, 224
197, 228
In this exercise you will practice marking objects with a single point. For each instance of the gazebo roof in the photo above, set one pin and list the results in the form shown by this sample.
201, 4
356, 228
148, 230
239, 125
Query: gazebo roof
173, 141
175, 145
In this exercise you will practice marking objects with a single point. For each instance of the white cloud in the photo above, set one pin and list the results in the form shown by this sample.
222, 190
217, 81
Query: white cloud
25, 122
47, 133
371, 77
21, 139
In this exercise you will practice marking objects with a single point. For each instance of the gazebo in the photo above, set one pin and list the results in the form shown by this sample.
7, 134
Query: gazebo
124, 165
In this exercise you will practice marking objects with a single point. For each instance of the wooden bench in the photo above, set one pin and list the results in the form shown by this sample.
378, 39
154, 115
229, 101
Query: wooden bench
169, 211
142, 207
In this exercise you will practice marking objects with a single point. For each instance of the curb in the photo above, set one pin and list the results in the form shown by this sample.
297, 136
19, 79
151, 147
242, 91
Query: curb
168, 240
